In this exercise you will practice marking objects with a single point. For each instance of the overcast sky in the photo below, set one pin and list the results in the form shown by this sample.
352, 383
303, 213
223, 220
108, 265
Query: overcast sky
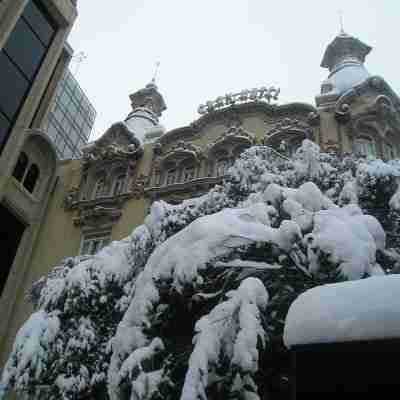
210, 47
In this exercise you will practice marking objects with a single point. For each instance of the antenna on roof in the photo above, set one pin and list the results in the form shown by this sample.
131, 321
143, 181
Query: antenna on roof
341, 13
153, 80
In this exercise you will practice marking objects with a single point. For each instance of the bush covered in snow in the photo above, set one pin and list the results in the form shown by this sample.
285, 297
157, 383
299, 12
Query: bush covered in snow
192, 304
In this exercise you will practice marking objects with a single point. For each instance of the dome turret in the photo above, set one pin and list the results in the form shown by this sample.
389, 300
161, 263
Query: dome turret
147, 106
344, 57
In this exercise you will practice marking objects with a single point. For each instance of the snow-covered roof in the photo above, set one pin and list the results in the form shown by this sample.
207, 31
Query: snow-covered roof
349, 311
344, 58
346, 77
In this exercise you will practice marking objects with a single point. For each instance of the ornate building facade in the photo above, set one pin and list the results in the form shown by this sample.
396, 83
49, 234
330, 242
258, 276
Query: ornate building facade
105, 194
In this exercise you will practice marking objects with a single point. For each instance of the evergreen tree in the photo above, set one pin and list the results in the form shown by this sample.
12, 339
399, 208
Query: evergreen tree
192, 304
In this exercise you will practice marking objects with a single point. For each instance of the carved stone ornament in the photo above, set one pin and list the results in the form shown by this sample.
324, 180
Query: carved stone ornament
233, 134
71, 197
183, 148
331, 146
137, 187
289, 125
97, 216
313, 118
118, 143
381, 118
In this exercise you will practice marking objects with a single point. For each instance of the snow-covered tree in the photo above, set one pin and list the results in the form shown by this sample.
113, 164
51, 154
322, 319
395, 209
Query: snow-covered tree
192, 304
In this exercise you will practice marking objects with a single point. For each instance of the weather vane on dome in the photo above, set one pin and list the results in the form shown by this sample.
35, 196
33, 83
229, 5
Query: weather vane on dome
341, 13
153, 80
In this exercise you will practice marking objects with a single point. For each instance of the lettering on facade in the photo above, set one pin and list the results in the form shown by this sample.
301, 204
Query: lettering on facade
246, 95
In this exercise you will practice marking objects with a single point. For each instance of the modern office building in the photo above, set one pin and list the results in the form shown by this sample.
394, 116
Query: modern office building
32, 61
71, 118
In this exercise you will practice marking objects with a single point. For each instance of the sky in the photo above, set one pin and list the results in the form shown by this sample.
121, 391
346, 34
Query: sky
209, 48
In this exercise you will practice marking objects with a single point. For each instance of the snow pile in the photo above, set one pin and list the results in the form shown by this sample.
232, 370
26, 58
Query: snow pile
347, 239
235, 327
350, 311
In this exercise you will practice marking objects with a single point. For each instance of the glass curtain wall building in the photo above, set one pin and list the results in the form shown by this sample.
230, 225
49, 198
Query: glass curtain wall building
20, 60
71, 118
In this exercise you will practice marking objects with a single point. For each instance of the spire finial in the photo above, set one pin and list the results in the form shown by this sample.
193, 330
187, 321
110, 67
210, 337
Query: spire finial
341, 13
153, 80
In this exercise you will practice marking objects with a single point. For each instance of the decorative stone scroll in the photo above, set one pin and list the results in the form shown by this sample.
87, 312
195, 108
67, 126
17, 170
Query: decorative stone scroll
71, 197
97, 215
233, 134
183, 148
289, 125
246, 95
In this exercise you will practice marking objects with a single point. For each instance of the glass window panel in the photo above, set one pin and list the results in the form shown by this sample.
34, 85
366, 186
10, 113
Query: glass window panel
52, 131
85, 247
39, 22
66, 125
20, 167
25, 49
64, 99
4, 128
79, 120
68, 152
31, 178
13, 87
58, 114
86, 129
72, 108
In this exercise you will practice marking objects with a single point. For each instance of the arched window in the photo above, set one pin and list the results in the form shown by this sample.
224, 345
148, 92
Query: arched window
365, 146
119, 185
31, 178
99, 188
171, 176
20, 167
188, 173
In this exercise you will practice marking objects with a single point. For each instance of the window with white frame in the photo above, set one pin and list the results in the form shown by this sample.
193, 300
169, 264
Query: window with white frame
365, 147
93, 243
188, 173
99, 188
119, 185
223, 164
171, 176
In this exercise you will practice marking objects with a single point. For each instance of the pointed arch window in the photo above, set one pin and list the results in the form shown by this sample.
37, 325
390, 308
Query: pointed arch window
119, 185
99, 188
21, 166
31, 178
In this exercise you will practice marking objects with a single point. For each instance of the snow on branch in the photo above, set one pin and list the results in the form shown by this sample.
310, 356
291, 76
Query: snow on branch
232, 327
